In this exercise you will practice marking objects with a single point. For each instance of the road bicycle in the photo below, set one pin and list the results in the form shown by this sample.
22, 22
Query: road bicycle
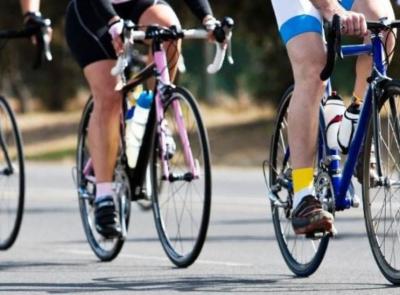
12, 167
378, 127
181, 180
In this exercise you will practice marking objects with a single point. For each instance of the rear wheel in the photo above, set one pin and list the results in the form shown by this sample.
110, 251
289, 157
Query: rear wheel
382, 200
12, 177
105, 248
302, 255
181, 202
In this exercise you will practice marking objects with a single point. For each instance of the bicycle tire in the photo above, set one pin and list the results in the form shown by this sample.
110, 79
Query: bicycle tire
183, 250
371, 192
104, 249
282, 215
12, 133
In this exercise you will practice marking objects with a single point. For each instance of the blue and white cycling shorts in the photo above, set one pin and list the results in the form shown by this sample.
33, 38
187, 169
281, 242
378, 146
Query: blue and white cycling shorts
296, 17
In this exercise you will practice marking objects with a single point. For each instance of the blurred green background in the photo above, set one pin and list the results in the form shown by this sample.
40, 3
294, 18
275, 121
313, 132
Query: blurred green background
261, 70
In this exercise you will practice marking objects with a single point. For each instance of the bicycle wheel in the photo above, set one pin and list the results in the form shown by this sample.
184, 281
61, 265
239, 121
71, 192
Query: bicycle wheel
181, 205
381, 200
12, 177
105, 249
302, 255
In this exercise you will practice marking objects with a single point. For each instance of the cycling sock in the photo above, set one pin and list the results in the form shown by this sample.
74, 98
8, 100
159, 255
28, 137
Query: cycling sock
303, 184
356, 100
103, 189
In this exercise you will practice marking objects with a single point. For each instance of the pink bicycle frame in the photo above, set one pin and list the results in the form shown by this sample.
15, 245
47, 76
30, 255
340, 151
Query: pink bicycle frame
160, 61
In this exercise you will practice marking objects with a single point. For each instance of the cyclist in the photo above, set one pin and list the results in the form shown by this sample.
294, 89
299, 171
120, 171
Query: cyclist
93, 32
300, 26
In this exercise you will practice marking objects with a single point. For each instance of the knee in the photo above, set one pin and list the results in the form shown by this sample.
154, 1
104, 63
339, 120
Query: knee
107, 102
307, 77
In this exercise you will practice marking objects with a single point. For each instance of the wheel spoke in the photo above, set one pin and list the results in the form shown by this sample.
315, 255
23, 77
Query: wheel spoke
185, 200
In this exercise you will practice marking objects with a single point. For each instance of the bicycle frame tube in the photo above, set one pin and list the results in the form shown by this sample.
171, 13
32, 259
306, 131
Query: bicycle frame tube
342, 182
160, 61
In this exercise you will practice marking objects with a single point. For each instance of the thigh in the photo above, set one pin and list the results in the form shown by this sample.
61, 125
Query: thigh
296, 17
374, 9
86, 34
161, 14
307, 56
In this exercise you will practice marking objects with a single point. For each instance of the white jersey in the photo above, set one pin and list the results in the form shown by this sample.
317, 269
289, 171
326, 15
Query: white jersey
295, 17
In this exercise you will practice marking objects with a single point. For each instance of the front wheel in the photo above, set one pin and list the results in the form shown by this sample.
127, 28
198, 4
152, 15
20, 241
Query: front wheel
12, 177
181, 202
302, 255
381, 198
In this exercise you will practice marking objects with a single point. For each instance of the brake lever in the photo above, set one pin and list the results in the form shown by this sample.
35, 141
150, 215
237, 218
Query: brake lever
229, 55
43, 43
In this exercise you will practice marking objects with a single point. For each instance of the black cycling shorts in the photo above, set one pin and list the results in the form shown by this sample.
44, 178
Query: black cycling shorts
87, 33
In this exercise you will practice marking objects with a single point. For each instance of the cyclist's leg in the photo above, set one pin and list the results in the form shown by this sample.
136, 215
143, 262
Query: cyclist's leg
104, 121
162, 14
301, 29
307, 56
373, 10
95, 54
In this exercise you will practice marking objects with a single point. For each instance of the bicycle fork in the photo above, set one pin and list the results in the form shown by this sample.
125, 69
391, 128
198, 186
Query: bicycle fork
162, 88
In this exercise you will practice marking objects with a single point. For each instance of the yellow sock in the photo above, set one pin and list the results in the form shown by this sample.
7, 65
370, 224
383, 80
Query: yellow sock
302, 178
357, 100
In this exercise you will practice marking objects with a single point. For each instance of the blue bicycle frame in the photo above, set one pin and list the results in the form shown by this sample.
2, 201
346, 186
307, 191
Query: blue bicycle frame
341, 180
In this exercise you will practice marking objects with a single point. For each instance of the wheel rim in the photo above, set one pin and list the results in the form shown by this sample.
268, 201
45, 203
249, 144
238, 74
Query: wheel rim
299, 252
10, 179
183, 206
103, 248
382, 202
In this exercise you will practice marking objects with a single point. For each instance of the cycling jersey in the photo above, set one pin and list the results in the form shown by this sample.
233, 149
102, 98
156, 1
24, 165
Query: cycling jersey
296, 17
105, 8
86, 24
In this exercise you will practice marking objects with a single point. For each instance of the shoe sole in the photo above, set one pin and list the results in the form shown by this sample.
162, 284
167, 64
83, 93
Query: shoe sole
323, 225
109, 234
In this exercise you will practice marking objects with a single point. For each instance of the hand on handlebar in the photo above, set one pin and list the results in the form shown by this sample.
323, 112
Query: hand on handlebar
221, 36
36, 20
353, 24
115, 29
41, 31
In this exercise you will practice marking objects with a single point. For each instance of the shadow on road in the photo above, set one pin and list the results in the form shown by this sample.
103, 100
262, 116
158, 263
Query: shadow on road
10, 265
222, 284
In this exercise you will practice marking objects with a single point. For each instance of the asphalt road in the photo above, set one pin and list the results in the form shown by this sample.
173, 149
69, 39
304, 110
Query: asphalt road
240, 256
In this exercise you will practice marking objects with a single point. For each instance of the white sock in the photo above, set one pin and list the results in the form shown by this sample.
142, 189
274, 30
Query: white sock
299, 196
103, 189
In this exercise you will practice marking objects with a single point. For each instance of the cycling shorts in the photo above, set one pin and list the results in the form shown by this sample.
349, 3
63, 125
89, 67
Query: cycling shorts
296, 17
87, 34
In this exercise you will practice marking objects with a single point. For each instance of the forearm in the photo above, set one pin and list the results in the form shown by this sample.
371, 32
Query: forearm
200, 8
327, 7
105, 10
30, 6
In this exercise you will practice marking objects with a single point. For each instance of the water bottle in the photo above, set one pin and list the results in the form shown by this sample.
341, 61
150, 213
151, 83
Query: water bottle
131, 97
348, 127
136, 125
333, 114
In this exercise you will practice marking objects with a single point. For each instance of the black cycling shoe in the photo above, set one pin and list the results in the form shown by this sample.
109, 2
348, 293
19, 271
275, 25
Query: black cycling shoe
106, 218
